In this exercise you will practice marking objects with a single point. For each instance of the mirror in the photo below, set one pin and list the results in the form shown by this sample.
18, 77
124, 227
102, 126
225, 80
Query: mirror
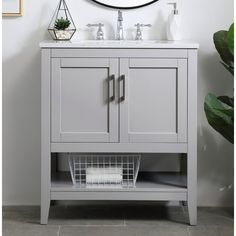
124, 4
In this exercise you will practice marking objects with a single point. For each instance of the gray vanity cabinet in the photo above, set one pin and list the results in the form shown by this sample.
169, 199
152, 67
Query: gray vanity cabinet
155, 105
83, 106
118, 97
151, 104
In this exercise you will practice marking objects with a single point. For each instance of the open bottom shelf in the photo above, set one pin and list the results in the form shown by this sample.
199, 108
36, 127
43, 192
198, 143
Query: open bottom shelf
151, 186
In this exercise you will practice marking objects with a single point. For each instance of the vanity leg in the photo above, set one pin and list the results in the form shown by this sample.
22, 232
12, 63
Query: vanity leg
45, 205
45, 183
192, 185
45, 136
192, 211
192, 137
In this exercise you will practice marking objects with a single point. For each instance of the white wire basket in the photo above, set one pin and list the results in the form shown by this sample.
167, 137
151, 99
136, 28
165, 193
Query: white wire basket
104, 171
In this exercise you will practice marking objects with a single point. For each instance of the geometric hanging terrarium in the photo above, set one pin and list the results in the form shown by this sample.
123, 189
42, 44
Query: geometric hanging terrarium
62, 26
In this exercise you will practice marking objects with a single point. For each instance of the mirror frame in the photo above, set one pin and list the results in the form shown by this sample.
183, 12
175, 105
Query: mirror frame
132, 7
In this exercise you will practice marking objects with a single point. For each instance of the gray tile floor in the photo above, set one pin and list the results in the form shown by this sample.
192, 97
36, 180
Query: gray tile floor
116, 220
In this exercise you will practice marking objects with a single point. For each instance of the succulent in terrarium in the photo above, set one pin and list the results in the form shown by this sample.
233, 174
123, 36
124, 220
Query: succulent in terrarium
62, 24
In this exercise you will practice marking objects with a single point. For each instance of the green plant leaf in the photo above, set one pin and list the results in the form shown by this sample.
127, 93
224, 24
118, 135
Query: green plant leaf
227, 100
220, 117
62, 24
231, 39
228, 68
221, 44
220, 111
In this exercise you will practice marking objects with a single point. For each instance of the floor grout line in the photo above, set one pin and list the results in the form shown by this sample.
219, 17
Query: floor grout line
59, 229
125, 225
188, 232
124, 221
107, 226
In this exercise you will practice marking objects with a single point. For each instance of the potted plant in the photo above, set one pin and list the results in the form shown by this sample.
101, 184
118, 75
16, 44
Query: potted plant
61, 29
220, 110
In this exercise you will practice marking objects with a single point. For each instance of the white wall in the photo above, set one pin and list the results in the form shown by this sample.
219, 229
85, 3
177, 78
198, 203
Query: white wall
21, 88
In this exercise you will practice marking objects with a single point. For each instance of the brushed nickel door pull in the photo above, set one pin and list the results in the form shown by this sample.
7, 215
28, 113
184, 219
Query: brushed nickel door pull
112, 78
122, 79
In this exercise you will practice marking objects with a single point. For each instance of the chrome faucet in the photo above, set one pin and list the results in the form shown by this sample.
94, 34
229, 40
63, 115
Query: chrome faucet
119, 33
139, 32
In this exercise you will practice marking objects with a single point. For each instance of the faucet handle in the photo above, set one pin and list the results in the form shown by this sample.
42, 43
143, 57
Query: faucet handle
142, 25
95, 25
100, 34
139, 32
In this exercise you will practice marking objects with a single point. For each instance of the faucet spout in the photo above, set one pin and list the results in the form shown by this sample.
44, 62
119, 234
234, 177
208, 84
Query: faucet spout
119, 33
120, 16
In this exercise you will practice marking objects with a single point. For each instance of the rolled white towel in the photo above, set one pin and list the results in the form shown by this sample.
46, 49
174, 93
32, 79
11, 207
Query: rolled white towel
103, 178
104, 171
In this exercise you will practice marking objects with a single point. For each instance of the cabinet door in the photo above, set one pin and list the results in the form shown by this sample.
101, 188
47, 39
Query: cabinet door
153, 100
83, 100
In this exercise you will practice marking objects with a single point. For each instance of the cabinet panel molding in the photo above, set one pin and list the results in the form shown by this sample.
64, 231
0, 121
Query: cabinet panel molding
155, 109
81, 107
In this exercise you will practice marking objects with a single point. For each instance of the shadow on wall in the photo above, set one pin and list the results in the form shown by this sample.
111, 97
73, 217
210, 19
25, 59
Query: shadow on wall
213, 74
159, 24
215, 177
21, 123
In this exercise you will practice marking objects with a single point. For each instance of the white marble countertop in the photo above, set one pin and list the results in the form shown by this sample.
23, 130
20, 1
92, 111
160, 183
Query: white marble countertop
120, 44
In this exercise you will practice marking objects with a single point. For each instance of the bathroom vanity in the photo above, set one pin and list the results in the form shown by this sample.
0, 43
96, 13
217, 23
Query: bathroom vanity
119, 97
